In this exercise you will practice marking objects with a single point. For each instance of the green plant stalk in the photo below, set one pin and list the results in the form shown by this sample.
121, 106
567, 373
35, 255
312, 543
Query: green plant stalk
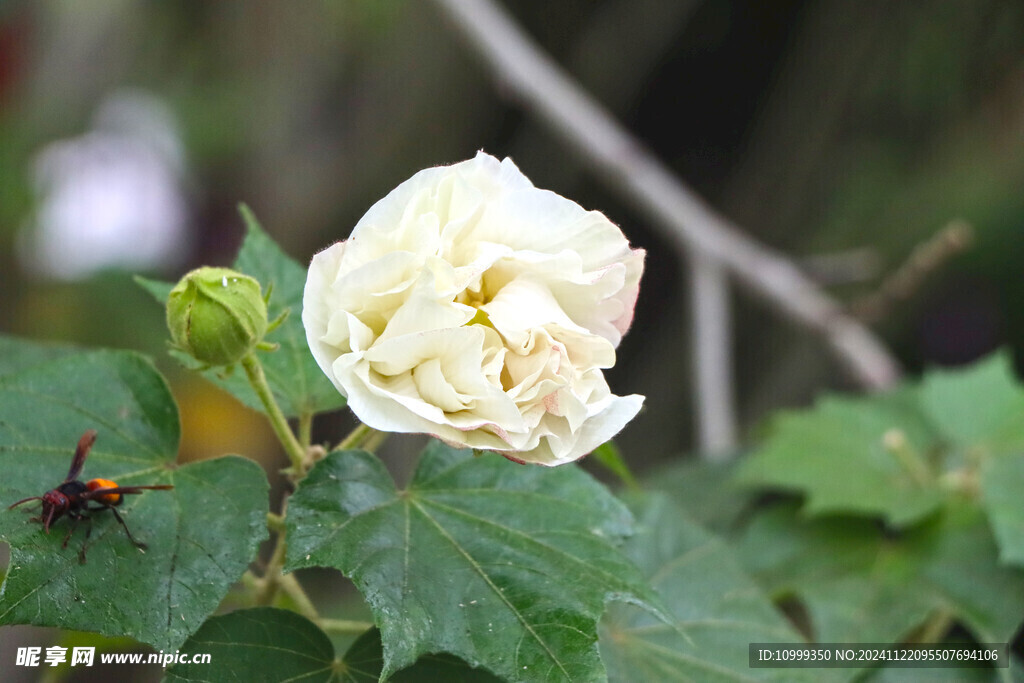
374, 441
909, 459
914, 466
609, 456
938, 625
305, 430
258, 380
274, 580
275, 523
294, 590
268, 586
344, 625
356, 438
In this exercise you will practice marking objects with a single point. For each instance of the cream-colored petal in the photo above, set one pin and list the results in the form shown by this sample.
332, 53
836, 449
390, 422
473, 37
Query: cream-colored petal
470, 305
435, 389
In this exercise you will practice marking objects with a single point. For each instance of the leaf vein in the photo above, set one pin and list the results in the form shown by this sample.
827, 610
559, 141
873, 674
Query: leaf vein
501, 596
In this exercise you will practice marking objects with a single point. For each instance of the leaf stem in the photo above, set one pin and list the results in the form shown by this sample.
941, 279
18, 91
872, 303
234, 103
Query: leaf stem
294, 590
271, 581
258, 380
275, 523
356, 438
374, 440
896, 442
344, 625
938, 625
305, 430
274, 580
609, 456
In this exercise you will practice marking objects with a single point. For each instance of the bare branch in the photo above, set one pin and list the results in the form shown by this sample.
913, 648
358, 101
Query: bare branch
850, 266
712, 359
906, 280
529, 76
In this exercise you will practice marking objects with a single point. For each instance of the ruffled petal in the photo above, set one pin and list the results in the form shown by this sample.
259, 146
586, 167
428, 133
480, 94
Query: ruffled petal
472, 306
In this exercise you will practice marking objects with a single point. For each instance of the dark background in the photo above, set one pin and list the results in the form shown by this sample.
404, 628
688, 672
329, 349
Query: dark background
834, 129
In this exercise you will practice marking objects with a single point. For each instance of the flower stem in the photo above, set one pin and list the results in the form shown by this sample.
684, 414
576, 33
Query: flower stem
356, 438
895, 441
305, 430
937, 626
344, 625
294, 590
275, 523
374, 440
269, 585
258, 380
608, 455
274, 580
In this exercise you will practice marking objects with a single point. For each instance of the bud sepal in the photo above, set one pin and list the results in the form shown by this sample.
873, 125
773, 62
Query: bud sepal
217, 315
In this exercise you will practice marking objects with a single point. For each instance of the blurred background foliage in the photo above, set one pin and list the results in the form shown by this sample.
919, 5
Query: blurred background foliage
844, 134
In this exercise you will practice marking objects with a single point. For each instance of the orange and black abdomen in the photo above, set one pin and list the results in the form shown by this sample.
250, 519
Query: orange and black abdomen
108, 499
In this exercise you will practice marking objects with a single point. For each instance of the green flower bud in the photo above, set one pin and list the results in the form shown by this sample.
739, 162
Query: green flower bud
216, 315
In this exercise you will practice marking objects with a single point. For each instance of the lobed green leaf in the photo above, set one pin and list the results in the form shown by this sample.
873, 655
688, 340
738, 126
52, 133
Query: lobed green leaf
364, 662
718, 609
980, 405
260, 644
270, 644
894, 456
860, 584
201, 535
505, 566
888, 674
706, 491
1002, 485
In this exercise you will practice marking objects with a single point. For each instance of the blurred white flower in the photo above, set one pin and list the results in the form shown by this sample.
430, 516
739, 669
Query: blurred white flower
112, 197
472, 306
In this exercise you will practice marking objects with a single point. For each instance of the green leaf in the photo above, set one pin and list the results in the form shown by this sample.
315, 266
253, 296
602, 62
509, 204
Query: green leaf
298, 383
856, 585
260, 644
505, 566
365, 660
157, 289
719, 609
706, 491
299, 386
837, 455
894, 455
933, 675
201, 535
973, 405
1002, 487
610, 457
269, 644
861, 585
17, 355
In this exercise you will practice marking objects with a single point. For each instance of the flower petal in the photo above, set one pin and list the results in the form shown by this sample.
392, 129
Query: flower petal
470, 305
